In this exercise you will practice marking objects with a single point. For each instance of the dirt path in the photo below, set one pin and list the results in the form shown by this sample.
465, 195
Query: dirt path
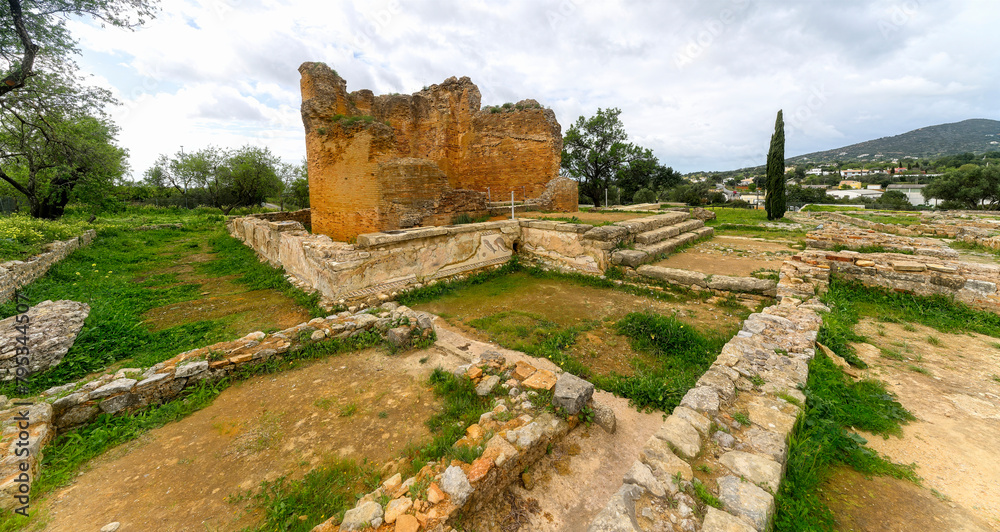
364, 405
951, 383
730, 255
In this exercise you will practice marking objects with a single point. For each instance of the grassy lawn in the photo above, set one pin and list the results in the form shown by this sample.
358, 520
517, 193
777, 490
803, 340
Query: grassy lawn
622, 338
832, 208
751, 223
131, 278
836, 405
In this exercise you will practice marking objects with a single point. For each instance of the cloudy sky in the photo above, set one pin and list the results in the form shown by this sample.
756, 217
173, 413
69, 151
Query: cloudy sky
698, 82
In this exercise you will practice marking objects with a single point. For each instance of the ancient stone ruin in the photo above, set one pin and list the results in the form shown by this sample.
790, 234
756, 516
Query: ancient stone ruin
395, 161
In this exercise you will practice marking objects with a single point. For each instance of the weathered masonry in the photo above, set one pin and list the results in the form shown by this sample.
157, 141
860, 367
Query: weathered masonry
388, 162
379, 264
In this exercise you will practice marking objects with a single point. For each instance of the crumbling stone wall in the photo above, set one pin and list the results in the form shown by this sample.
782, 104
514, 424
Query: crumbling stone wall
396, 161
15, 273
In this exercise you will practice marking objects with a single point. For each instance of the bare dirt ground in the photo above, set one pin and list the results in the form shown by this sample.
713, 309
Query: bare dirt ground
951, 383
364, 405
731, 255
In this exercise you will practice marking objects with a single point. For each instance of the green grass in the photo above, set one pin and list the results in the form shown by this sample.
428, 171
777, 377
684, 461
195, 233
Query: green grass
832, 208
822, 440
890, 219
871, 249
324, 492
941, 313
103, 275
749, 222
681, 355
534, 335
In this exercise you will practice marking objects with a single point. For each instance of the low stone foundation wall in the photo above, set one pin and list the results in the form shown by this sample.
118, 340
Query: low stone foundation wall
834, 235
15, 273
132, 389
378, 265
756, 377
303, 216
720, 284
970, 283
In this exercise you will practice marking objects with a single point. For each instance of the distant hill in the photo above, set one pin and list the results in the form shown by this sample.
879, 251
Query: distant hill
977, 135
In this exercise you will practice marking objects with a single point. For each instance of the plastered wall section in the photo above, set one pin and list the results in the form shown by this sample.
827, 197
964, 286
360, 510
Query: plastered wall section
390, 261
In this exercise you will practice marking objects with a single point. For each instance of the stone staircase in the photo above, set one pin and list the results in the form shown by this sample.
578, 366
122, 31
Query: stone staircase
653, 237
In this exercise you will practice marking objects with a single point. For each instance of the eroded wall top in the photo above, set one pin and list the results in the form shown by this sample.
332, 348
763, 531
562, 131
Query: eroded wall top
352, 138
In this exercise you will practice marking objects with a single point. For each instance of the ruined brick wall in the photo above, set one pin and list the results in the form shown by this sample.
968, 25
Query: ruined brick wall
396, 161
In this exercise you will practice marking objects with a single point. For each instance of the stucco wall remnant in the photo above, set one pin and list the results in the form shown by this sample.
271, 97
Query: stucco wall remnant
397, 161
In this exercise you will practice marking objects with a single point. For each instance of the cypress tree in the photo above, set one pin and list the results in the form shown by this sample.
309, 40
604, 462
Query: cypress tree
774, 199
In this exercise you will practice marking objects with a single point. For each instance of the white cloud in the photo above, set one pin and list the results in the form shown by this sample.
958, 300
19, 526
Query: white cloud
698, 82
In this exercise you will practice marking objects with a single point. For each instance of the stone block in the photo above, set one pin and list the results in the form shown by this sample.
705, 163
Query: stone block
113, 387
719, 521
908, 266
757, 469
456, 485
604, 416
673, 275
682, 437
664, 463
523, 370
619, 514
542, 379
701, 423
486, 386
399, 336
629, 257
702, 399
367, 514
119, 402
190, 369
640, 475
572, 393
747, 500
985, 288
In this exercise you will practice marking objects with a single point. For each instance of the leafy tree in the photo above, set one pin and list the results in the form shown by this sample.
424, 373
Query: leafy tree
774, 199
57, 144
252, 177
894, 199
692, 194
970, 186
596, 152
36, 29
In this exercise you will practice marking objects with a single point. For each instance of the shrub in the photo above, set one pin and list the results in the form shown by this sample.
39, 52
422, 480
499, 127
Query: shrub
644, 195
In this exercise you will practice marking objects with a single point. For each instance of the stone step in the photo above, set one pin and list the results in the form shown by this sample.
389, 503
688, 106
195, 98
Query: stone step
670, 244
649, 223
669, 231
634, 258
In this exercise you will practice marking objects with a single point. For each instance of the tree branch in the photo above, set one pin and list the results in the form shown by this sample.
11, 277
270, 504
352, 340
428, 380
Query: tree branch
20, 75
